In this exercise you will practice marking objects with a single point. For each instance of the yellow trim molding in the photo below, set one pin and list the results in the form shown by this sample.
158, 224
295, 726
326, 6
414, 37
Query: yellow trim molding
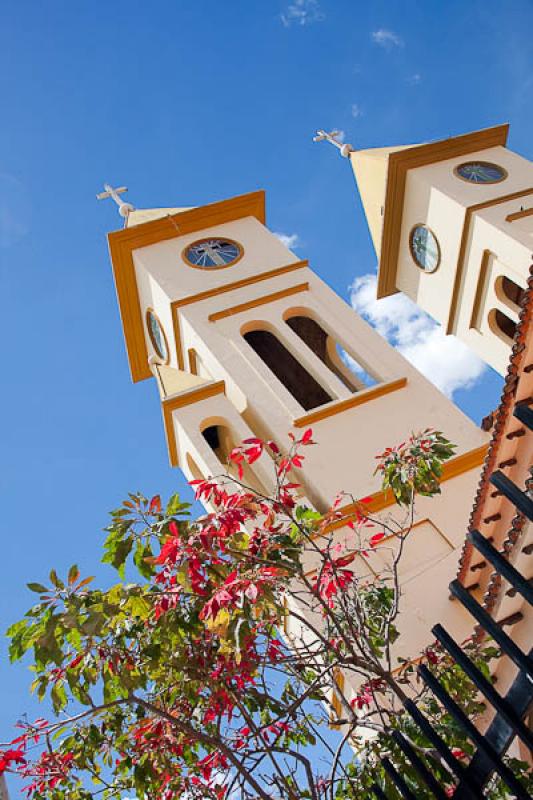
193, 361
122, 244
526, 212
411, 158
179, 401
259, 301
380, 500
337, 406
227, 287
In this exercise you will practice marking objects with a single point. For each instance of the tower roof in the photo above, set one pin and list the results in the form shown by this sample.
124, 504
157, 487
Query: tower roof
371, 168
140, 215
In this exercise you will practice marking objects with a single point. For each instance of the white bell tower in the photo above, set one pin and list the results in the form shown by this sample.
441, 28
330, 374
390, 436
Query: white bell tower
246, 340
452, 225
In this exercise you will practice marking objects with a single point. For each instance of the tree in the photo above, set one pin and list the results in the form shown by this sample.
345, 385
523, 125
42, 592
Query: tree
183, 682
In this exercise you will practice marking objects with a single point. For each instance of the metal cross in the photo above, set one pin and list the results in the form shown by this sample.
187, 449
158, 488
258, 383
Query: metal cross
333, 138
123, 208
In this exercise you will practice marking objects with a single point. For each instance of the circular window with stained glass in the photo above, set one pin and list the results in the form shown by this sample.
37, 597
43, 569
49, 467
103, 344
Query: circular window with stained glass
424, 248
212, 253
480, 172
157, 335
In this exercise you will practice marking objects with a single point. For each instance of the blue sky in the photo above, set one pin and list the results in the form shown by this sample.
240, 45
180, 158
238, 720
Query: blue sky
187, 103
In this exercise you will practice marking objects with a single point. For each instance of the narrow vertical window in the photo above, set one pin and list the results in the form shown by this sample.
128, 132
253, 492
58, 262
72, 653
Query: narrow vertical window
331, 353
296, 379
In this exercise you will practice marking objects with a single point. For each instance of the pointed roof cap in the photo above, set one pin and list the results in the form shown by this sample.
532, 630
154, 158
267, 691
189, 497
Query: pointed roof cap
140, 215
371, 169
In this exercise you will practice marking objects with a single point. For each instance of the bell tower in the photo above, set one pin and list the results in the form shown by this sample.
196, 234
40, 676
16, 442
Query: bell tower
244, 339
452, 226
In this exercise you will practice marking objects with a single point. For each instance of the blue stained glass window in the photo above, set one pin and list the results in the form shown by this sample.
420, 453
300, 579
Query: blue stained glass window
424, 248
481, 172
213, 253
157, 336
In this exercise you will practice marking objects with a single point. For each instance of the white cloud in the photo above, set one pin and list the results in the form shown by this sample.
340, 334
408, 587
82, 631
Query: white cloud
444, 360
302, 12
290, 240
386, 38
414, 79
356, 111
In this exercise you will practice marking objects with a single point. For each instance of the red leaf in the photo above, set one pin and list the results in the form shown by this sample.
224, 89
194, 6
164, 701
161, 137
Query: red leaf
307, 438
377, 537
155, 505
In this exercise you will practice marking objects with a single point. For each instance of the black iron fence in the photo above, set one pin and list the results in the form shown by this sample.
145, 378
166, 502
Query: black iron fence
509, 711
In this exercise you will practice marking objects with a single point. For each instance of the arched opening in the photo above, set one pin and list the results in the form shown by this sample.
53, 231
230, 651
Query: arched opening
219, 438
296, 379
509, 290
330, 352
501, 324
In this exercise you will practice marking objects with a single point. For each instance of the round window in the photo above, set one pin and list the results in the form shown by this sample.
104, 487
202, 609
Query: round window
480, 172
157, 335
424, 248
212, 253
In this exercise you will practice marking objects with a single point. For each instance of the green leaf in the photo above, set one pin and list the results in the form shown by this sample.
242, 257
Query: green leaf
142, 553
73, 574
55, 580
37, 587
174, 506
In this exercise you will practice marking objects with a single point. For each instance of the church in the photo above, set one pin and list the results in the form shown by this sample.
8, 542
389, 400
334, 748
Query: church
244, 339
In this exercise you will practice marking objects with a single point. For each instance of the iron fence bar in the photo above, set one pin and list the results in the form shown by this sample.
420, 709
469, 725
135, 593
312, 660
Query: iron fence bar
499, 733
513, 493
472, 732
502, 565
521, 660
397, 779
500, 704
524, 413
410, 753
444, 751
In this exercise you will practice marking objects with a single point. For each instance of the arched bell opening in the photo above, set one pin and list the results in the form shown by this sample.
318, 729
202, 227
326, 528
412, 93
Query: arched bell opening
218, 435
502, 325
509, 292
305, 389
335, 357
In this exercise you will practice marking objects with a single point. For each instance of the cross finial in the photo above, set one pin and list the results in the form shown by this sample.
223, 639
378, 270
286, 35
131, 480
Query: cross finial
123, 208
333, 137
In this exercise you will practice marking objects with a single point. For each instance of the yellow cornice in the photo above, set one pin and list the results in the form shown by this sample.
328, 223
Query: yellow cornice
227, 287
380, 500
179, 401
258, 301
338, 406
122, 244
399, 164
